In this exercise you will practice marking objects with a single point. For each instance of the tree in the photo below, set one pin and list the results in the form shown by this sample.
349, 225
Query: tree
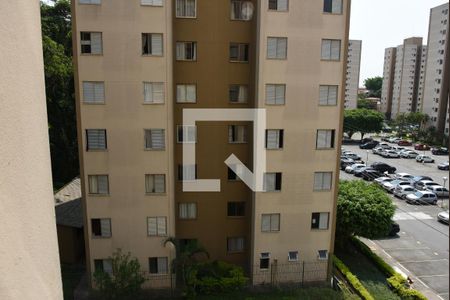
374, 86
364, 210
363, 121
59, 88
124, 282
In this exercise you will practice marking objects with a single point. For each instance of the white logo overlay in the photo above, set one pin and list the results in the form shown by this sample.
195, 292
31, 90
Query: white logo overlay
253, 180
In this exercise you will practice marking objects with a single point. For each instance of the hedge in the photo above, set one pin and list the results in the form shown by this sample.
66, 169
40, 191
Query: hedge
396, 281
352, 279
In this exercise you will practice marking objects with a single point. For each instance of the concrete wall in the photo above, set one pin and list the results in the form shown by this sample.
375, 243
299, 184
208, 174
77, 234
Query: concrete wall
29, 261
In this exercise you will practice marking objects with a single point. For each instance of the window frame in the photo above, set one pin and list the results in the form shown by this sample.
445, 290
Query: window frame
329, 86
189, 206
239, 206
246, 52
152, 5
264, 256
238, 241
154, 184
242, 19
90, 149
150, 133
238, 86
280, 138
233, 131
270, 216
185, 134
158, 273
90, 192
296, 256
153, 83
151, 45
94, 84
277, 38
278, 10
275, 85
332, 141
90, 43
186, 17
184, 43
315, 226
278, 180
102, 235
185, 87
322, 189
331, 50
157, 218
331, 12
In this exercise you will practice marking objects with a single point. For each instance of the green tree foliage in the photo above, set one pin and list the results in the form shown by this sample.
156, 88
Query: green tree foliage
125, 281
59, 87
363, 121
366, 104
364, 210
374, 85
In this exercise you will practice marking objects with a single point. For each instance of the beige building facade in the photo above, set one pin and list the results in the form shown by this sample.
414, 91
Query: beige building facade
140, 64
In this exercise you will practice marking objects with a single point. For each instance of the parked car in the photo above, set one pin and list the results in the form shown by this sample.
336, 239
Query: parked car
439, 151
353, 156
366, 140
385, 145
422, 197
381, 180
390, 186
404, 143
358, 172
443, 166
424, 159
351, 169
369, 145
402, 191
345, 162
383, 167
371, 175
404, 176
424, 184
394, 140
390, 154
443, 217
421, 147
395, 228
409, 154
419, 178
440, 191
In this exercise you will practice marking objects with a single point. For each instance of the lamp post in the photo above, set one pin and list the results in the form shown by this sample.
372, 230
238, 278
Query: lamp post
445, 180
367, 158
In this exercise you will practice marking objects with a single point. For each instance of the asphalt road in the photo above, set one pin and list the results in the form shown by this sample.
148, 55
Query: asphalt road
421, 250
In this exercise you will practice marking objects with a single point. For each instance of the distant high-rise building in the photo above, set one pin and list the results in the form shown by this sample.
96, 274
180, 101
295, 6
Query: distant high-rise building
352, 75
421, 87
388, 80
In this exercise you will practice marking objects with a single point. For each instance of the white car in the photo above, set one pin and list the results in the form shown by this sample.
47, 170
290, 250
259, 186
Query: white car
404, 176
409, 154
351, 169
443, 216
424, 159
394, 140
425, 184
390, 186
390, 154
440, 191
384, 145
402, 191
382, 180
422, 197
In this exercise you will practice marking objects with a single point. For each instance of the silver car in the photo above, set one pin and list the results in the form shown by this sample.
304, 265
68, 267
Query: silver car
425, 184
409, 154
390, 186
440, 191
443, 216
422, 197
382, 180
402, 191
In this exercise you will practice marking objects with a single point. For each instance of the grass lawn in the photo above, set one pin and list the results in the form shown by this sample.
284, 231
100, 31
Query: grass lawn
372, 279
71, 275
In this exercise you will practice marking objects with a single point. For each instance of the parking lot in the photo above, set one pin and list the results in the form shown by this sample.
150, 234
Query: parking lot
421, 249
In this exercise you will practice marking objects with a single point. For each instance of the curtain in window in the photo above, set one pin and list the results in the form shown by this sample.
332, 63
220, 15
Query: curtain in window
281, 50
271, 47
93, 187
161, 226
270, 94
275, 222
162, 265
160, 183
280, 91
323, 222
326, 49
105, 225
265, 223
96, 42
152, 226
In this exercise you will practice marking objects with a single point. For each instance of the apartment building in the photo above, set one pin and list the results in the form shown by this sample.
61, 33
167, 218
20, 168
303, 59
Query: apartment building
435, 102
353, 71
139, 64
421, 86
390, 55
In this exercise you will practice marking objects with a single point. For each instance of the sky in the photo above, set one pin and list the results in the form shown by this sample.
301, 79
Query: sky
386, 23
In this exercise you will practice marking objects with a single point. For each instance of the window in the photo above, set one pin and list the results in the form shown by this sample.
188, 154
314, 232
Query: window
101, 228
233, 176
186, 134
276, 47
325, 139
328, 95
186, 93
188, 211
152, 44
90, 1
332, 6
320, 220
322, 254
153, 92
155, 183
91, 43
264, 260
187, 172
186, 51
98, 184
93, 92
274, 138
237, 134
322, 181
239, 52
331, 49
152, 2
155, 139
236, 209
272, 182
103, 265
158, 265
238, 93
240, 10
96, 139
186, 8
235, 244
270, 223
279, 5
293, 256
156, 226
275, 94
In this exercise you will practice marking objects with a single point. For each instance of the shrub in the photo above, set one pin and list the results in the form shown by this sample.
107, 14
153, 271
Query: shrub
378, 261
352, 279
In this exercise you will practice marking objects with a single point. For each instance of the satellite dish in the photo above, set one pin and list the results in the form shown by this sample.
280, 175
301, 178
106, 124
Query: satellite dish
247, 10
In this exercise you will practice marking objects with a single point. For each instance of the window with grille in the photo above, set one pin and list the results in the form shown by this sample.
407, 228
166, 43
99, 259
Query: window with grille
275, 94
278, 5
328, 95
187, 211
293, 256
158, 265
322, 254
235, 244
155, 139
325, 139
93, 92
237, 134
276, 47
186, 93
91, 43
264, 260
239, 52
238, 93
331, 49
274, 138
152, 44
153, 92
272, 182
157, 226
186, 51
320, 220
101, 228
155, 183
96, 139
186, 134
322, 181
236, 209
270, 222
98, 184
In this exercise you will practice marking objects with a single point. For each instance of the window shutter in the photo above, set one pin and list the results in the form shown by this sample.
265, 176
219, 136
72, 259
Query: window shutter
191, 94
275, 222
190, 8
281, 48
242, 94
280, 94
157, 46
162, 265
162, 230
327, 181
96, 42
158, 92
272, 139
105, 225
152, 226
99, 92
181, 51
282, 5
270, 94
192, 210
323, 98
88, 92
335, 50
96, 139
160, 183
321, 139
337, 7
271, 47
332, 95
318, 181
265, 223
148, 92
183, 210
157, 139
102, 184
269, 182
181, 93
323, 222
326, 49
179, 8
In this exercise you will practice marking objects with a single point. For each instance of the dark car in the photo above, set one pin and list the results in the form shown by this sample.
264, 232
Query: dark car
366, 140
371, 175
383, 167
369, 145
345, 162
439, 151
421, 147
395, 228
359, 172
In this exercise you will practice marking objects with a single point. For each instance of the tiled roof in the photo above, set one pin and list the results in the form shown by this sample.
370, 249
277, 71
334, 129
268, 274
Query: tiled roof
68, 207
70, 191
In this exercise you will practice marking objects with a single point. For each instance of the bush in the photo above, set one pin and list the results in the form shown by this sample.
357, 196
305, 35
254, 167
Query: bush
352, 279
378, 261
